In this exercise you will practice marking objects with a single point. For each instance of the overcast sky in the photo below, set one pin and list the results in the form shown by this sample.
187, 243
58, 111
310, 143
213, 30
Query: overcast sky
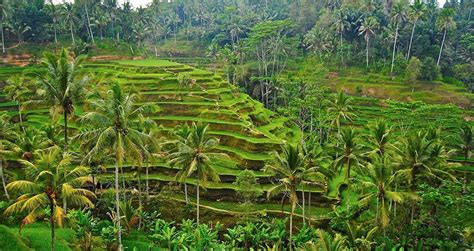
137, 3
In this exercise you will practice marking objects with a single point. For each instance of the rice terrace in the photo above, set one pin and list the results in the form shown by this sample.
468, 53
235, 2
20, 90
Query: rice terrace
236, 125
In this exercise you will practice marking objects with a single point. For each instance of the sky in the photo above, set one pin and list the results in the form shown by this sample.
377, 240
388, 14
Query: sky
138, 3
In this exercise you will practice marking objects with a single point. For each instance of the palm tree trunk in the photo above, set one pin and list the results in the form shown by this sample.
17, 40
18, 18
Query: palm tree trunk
65, 129
19, 115
197, 204
394, 48
147, 184
342, 57
117, 207
293, 204
139, 198
156, 52
186, 192
348, 173
89, 24
411, 40
55, 35
3, 38
51, 220
367, 53
442, 45
72, 33
4, 183
65, 204
304, 222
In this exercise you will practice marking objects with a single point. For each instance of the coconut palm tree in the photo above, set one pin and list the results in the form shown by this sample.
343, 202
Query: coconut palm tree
341, 24
5, 11
466, 146
112, 128
350, 148
445, 21
340, 108
6, 135
50, 179
55, 13
62, 85
378, 184
289, 167
367, 29
327, 243
18, 89
416, 12
378, 139
398, 15
195, 155
419, 156
69, 17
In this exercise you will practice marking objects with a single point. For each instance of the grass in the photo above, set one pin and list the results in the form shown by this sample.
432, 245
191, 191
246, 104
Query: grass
10, 240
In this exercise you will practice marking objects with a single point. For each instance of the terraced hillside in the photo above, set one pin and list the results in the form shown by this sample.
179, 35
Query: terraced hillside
247, 131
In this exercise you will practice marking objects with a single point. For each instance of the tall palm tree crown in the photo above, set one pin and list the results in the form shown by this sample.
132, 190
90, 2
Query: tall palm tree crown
112, 127
51, 177
62, 85
195, 155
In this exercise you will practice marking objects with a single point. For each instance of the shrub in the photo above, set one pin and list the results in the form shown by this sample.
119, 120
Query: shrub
184, 80
429, 69
246, 183
413, 69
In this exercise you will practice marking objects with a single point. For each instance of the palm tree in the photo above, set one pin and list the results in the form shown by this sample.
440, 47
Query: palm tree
196, 154
398, 16
445, 21
378, 184
18, 89
416, 12
113, 128
340, 108
466, 146
55, 14
367, 29
421, 157
6, 135
289, 167
5, 9
379, 138
69, 16
62, 84
350, 148
327, 243
341, 24
50, 178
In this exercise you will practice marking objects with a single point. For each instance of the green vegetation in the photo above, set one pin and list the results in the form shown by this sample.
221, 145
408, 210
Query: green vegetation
236, 125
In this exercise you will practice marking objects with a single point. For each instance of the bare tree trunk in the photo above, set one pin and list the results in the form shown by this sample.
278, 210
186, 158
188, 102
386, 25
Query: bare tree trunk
156, 52
411, 40
442, 45
394, 49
